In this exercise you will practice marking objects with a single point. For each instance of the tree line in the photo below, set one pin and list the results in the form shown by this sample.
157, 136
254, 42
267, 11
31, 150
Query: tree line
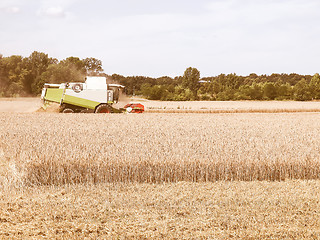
25, 76
224, 87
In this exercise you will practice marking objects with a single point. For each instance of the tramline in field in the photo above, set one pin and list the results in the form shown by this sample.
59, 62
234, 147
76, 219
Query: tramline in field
94, 95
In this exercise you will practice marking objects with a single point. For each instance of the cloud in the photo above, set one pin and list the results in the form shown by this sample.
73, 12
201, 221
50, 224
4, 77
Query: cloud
8, 3
12, 10
55, 9
55, 12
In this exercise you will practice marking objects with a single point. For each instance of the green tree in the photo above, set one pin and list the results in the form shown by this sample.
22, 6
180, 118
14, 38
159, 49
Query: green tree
59, 73
302, 91
146, 90
191, 78
270, 91
232, 81
76, 62
284, 91
256, 91
36, 64
244, 93
315, 86
227, 95
156, 92
11, 75
93, 66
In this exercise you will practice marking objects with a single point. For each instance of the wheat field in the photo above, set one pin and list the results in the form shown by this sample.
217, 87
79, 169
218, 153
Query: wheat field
183, 210
160, 176
55, 149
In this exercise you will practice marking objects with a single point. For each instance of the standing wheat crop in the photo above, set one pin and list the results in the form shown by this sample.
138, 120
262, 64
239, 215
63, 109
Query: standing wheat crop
57, 149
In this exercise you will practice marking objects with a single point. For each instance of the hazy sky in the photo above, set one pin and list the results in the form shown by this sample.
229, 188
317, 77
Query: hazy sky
158, 38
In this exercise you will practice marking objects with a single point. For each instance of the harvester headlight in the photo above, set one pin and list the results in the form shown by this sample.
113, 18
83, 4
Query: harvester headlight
77, 88
129, 109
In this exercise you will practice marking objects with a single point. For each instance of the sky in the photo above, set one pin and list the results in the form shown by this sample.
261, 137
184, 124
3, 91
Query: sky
163, 38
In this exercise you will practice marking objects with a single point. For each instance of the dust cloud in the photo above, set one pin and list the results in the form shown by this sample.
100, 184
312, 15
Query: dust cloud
22, 105
123, 100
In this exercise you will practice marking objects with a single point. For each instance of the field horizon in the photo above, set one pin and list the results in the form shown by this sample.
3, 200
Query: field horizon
34, 104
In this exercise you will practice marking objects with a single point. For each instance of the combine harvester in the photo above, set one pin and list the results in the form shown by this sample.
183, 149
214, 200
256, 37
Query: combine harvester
93, 96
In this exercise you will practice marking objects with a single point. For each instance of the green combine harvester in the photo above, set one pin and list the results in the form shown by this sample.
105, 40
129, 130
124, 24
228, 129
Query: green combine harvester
94, 95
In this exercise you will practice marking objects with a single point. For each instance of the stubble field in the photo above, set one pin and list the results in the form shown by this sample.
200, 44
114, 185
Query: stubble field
169, 176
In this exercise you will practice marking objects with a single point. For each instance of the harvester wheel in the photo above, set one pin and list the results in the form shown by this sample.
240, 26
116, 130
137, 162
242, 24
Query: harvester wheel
103, 108
67, 110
